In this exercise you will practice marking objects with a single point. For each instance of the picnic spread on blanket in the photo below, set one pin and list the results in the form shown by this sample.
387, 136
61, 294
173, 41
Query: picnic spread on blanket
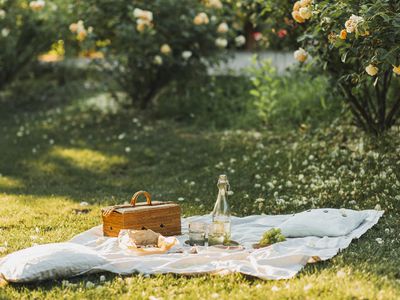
152, 238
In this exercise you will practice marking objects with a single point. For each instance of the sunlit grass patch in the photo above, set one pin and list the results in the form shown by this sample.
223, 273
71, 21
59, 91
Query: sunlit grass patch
9, 182
88, 159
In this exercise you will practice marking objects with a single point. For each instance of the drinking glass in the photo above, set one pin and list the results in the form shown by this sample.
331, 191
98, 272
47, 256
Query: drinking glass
197, 233
216, 234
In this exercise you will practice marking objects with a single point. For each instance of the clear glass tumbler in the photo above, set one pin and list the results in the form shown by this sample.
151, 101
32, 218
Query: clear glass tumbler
197, 233
216, 234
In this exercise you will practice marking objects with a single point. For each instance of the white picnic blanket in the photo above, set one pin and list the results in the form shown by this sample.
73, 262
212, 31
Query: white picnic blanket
279, 261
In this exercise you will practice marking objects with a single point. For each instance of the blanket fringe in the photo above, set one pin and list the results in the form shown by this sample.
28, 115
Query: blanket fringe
3, 281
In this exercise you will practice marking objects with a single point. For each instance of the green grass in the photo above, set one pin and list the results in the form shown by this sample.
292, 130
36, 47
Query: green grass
53, 159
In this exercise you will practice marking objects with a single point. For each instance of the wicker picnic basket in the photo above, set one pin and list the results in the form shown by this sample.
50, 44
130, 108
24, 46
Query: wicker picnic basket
161, 217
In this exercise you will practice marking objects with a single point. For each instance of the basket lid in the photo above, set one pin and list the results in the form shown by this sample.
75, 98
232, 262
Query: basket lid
133, 207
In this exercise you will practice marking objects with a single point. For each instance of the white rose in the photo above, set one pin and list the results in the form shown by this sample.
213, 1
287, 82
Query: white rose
305, 13
352, 23
137, 12
223, 28
2, 14
158, 60
240, 40
186, 55
300, 55
143, 14
371, 70
221, 43
5, 32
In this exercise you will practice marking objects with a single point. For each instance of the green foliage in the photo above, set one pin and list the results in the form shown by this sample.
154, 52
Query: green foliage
272, 236
357, 44
208, 102
292, 98
147, 45
28, 28
52, 159
267, 24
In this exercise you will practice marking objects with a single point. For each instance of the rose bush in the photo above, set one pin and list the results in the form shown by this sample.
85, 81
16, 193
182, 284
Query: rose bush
27, 29
148, 44
358, 45
266, 24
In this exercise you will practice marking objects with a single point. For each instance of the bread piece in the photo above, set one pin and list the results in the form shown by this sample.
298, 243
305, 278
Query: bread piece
144, 237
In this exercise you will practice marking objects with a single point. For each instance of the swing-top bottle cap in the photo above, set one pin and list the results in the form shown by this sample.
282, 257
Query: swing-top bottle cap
223, 180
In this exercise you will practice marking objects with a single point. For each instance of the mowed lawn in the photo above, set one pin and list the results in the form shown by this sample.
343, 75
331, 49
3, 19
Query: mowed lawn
52, 160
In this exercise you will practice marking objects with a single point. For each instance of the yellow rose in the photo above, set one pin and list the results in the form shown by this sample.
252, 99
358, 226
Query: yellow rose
73, 27
296, 6
223, 28
343, 34
142, 24
305, 13
143, 14
352, 23
396, 70
296, 16
200, 19
300, 55
37, 5
81, 35
371, 70
165, 49
214, 4
304, 3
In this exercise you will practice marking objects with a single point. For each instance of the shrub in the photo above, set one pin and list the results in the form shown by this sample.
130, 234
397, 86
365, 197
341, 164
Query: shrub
149, 44
209, 102
27, 30
357, 44
290, 98
266, 24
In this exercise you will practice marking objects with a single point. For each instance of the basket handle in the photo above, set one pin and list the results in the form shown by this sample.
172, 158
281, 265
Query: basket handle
136, 196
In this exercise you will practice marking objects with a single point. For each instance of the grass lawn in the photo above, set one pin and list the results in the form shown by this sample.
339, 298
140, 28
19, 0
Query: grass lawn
52, 160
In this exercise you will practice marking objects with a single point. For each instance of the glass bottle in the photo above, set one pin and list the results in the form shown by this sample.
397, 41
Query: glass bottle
220, 230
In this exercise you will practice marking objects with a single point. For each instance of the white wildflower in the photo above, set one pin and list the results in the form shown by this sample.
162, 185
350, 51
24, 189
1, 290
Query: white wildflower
102, 278
186, 55
127, 149
181, 199
307, 287
341, 274
83, 203
90, 285
379, 241
275, 288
